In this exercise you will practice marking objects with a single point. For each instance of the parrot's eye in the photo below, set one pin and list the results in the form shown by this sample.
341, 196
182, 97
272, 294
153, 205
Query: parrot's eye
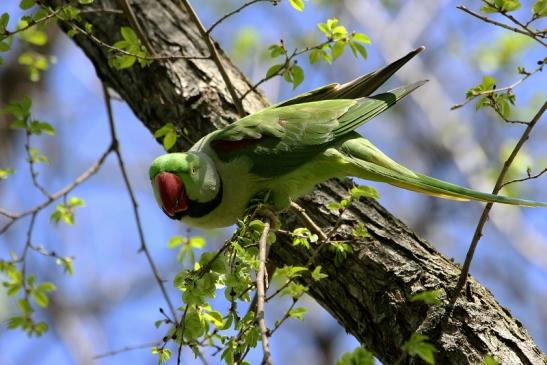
193, 171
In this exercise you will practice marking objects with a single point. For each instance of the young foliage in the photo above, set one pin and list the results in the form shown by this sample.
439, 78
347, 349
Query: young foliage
359, 356
132, 44
65, 211
500, 6
429, 297
170, 135
417, 345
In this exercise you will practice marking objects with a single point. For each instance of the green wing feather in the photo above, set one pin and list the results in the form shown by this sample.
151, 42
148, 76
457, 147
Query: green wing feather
358, 88
289, 136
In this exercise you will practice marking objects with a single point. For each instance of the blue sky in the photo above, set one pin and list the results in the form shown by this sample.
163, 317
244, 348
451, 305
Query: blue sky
112, 300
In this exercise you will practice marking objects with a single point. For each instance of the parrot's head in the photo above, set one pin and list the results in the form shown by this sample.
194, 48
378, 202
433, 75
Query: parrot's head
184, 183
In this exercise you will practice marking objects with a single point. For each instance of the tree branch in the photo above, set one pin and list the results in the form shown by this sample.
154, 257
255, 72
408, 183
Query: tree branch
369, 295
214, 54
484, 216
143, 245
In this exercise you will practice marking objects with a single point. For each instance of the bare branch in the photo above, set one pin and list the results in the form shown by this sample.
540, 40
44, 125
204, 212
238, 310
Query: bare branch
301, 213
125, 349
33, 173
143, 246
528, 32
261, 291
226, 16
529, 177
484, 216
64, 191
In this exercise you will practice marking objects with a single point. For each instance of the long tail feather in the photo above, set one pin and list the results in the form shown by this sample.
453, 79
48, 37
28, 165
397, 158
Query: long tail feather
371, 164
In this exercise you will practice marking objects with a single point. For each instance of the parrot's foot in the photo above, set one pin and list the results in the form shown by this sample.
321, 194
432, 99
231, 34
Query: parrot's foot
270, 213
261, 205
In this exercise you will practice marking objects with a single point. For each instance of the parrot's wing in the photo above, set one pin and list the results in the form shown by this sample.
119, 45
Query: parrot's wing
358, 88
278, 140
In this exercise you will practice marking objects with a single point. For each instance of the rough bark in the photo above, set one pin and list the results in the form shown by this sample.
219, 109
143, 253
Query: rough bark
369, 295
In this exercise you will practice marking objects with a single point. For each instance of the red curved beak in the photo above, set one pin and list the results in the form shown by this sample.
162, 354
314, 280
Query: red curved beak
171, 191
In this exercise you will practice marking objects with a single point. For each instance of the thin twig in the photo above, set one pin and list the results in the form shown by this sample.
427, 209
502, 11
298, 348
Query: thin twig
531, 33
143, 246
102, 10
64, 191
226, 16
484, 216
301, 213
503, 25
33, 173
286, 316
126, 349
501, 89
529, 177
214, 54
261, 291
103, 44
31, 23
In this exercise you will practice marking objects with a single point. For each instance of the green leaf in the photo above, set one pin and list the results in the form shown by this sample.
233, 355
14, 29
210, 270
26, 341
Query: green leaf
164, 354
297, 74
32, 35
129, 35
361, 37
297, 4
67, 263
430, 297
274, 70
26, 4
289, 272
338, 49
168, 127
85, 2
24, 306
4, 20
197, 242
76, 202
360, 231
358, 48
417, 345
40, 298
489, 360
540, 8
169, 134
215, 318
14, 322
276, 50
359, 356
317, 274
169, 140
298, 313
363, 191
193, 325
4, 173
175, 241
46, 286
324, 29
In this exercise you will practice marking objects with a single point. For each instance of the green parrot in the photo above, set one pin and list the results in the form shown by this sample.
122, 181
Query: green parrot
289, 148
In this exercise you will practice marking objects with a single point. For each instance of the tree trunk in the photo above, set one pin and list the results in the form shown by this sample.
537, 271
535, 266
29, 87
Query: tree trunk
369, 295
